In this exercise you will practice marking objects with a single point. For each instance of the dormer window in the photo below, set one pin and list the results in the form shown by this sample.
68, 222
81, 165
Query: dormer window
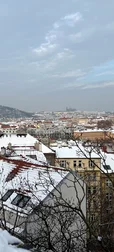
20, 200
7, 195
107, 167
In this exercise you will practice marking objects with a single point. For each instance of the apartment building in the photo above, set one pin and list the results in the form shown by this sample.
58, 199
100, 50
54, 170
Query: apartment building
97, 170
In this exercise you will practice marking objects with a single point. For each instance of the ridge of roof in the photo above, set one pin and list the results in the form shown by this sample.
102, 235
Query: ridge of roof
22, 165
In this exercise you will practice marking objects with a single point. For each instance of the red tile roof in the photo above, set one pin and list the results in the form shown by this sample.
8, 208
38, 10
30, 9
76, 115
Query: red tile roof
21, 165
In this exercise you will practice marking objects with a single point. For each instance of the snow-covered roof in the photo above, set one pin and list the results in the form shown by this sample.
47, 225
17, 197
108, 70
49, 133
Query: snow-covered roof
31, 178
74, 152
107, 162
29, 152
91, 130
7, 240
79, 151
22, 140
45, 149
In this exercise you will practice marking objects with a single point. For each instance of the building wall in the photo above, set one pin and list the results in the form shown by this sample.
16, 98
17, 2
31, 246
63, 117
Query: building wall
70, 190
13, 218
83, 121
107, 205
91, 135
9, 131
50, 158
100, 192
81, 163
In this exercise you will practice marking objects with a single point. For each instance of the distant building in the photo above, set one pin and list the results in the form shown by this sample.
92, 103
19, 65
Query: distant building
92, 135
8, 129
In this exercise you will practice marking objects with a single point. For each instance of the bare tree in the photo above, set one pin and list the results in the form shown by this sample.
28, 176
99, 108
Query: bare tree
104, 124
56, 223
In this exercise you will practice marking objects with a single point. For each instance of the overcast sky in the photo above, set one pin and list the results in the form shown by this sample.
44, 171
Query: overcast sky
57, 53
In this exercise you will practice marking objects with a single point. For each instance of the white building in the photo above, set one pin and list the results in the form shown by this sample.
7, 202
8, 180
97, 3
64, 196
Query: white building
27, 185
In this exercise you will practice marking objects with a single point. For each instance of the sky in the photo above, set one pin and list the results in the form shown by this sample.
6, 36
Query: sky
56, 54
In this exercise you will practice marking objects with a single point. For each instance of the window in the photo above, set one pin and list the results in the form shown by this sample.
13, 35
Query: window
108, 210
32, 156
74, 163
91, 164
81, 175
89, 190
109, 196
107, 167
95, 203
88, 177
7, 195
63, 163
108, 182
94, 189
79, 163
20, 200
91, 177
94, 177
92, 217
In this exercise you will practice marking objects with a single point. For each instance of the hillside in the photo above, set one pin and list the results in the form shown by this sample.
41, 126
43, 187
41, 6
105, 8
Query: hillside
7, 112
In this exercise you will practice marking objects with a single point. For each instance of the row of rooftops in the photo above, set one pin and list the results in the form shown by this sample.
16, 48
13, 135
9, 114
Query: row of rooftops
27, 175
23, 175
29, 146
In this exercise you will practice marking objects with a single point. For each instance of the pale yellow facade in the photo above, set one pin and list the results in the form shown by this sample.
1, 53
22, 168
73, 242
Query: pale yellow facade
79, 164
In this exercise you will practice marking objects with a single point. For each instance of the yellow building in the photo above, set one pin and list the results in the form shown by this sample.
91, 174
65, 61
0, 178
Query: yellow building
92, 135
97, 171
83, 120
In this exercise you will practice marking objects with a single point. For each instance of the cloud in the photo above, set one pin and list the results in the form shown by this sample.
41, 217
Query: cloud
99, 85
105, 73
54, 36
56, 25
65, 54
72, 19
45, 49
55, 60
70, 74
68, 20
82, 35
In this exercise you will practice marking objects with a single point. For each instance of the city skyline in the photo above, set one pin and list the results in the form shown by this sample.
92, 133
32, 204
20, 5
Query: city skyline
56, 54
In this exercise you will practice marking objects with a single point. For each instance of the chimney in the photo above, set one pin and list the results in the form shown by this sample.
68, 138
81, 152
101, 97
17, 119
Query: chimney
38, 146
104, 149
9, 146
3, 151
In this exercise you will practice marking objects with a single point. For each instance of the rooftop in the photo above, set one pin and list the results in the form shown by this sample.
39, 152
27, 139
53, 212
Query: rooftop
22, 141
77, 151
28, 177
80, 152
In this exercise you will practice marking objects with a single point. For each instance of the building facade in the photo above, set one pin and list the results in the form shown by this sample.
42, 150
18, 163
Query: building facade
97, 170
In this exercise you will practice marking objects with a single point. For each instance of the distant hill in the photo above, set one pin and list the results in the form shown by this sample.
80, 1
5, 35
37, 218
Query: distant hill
7, 112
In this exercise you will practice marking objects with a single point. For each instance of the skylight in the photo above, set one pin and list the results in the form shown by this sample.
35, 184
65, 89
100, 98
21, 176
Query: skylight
20, 200
107, 167
7, 195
